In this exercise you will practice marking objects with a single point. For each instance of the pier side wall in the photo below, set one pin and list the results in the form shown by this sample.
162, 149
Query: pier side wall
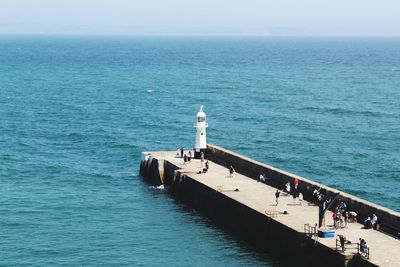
389, 220
150, 170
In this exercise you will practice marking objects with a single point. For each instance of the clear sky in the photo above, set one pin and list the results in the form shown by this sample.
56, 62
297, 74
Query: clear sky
202, 17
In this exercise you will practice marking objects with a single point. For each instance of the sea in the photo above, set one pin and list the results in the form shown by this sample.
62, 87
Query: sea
77, 111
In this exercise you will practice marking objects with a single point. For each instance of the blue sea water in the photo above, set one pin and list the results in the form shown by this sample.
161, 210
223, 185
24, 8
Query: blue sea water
76, 112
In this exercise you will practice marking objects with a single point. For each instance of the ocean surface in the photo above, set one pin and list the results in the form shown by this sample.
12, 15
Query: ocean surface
76, 112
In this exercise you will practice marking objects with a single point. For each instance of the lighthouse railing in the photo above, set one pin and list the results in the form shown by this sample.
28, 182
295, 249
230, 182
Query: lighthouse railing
200, 125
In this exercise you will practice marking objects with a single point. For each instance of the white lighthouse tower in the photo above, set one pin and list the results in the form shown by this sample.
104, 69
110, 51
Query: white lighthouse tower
200, 125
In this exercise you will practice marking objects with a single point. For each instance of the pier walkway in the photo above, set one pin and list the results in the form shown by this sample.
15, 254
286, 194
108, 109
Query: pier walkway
384, 249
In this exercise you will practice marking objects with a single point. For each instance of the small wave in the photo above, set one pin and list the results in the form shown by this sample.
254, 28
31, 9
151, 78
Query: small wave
160, 187
150, 90
227, 87
74, 136
124, 145
342, 111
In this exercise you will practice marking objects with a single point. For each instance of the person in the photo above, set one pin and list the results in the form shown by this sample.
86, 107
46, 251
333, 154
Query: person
262, 178
374, 220
277, 193
287, 188
301, 198
345, 216
201, 159
189, 156
316, 196
231, 170
181, 152
334, 216
352, 216
184, 159
342, 240
368, 223
363, 247
296, 183
320, 197
343, 206
206, 167
178, 151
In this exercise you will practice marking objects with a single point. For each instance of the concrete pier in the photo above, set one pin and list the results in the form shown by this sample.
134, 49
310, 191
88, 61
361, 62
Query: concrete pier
247, 207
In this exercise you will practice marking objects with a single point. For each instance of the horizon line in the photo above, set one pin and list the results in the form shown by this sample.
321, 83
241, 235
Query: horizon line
193, 35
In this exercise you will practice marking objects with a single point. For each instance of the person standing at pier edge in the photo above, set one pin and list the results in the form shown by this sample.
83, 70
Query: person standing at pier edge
201, 159
300, 198
296, 183
287, 188
231, 171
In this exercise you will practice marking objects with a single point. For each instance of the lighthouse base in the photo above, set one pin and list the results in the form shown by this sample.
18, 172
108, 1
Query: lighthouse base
197, 152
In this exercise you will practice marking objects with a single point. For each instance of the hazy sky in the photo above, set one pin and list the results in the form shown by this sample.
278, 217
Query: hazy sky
209, 17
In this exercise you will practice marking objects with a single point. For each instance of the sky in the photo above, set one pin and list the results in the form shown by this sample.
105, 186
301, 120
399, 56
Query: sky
202, 17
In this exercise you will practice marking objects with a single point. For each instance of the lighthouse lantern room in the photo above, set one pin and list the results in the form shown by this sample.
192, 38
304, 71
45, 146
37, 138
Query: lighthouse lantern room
200, 125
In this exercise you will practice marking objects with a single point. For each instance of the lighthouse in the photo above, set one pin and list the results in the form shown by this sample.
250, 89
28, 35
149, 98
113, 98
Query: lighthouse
200, 125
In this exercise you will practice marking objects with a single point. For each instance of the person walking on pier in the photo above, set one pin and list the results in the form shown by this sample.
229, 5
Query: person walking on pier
181, 152
277, 193
184, 159
190, 156
201, 159
231, 171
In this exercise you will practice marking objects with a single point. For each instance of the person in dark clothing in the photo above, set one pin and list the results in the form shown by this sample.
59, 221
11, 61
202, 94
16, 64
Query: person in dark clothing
231, 171
181, 152
185, 159
277, 193
368, 223
363, 247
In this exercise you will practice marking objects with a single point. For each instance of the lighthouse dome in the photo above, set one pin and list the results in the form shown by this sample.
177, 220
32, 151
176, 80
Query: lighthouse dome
201, 112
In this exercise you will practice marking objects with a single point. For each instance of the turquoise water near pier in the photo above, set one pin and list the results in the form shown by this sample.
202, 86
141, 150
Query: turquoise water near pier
76, 112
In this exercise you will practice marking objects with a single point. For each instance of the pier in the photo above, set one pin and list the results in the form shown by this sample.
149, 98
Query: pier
247, 207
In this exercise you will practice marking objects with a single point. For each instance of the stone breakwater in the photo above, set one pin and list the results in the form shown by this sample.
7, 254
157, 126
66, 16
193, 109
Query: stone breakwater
247, 208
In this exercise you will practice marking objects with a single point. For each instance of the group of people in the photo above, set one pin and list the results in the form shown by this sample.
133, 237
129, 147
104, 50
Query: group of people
340, 215
371, 222
294, 191
187, 158
288, 190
